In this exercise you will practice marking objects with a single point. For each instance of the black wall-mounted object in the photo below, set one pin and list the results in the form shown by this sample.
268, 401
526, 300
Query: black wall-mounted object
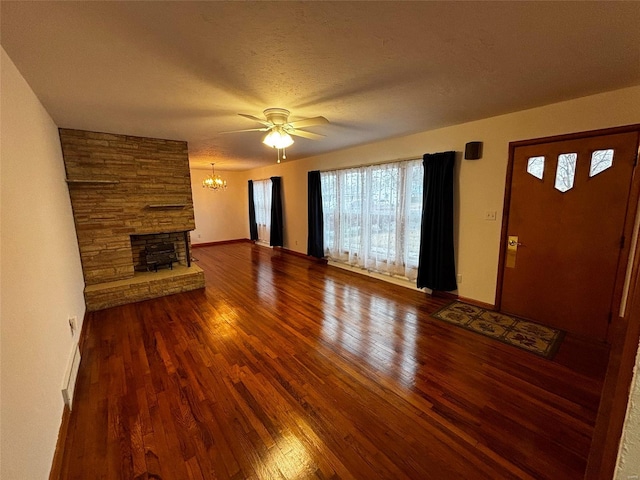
473, 151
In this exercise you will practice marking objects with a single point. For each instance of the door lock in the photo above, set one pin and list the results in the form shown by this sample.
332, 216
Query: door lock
514, 243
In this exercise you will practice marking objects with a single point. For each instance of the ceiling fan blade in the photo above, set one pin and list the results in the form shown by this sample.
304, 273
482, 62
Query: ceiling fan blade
247, 130
302, 133
309, 122
261, 120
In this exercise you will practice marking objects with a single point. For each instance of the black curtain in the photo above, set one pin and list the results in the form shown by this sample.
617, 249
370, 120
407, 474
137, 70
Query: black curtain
277, 227
315, 237
253, 226
436, 267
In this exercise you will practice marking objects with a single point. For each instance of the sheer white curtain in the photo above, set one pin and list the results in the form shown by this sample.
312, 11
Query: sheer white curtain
262, 203
372, 217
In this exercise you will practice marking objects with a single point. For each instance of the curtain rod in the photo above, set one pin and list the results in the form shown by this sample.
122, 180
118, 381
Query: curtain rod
397, 160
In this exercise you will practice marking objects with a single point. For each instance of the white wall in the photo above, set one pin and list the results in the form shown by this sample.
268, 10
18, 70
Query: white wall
220, 215
41, 280
629, 455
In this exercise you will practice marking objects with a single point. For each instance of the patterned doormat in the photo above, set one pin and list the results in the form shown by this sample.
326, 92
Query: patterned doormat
533, 337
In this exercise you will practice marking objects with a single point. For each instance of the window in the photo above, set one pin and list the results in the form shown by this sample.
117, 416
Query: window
566, 171
600, 161
535, 166
372, 216
262, 204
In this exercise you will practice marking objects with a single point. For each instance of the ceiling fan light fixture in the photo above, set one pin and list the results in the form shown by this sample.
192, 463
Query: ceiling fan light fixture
279, 129
278, 138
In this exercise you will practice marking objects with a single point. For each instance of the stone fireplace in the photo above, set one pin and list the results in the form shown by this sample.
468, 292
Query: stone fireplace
126, 193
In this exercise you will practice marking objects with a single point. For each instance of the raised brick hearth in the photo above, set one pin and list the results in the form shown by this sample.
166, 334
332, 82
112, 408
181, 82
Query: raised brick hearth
123, 190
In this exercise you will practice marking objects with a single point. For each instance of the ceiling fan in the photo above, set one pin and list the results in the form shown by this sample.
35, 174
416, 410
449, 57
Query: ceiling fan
279, 129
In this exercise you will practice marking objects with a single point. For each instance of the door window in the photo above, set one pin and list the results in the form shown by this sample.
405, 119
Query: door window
600, 161
535, 166
566, 171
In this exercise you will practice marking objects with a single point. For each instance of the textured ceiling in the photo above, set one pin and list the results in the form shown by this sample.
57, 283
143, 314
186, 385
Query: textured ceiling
183, 70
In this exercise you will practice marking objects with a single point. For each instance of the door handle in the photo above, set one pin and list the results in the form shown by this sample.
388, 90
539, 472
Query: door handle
512, 250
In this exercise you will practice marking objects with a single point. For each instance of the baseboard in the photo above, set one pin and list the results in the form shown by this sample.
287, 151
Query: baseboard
302, 255
447, 295
486, 306
222, 242
454, 296
378, 276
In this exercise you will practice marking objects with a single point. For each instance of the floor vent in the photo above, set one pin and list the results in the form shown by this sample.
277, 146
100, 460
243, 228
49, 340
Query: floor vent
70, 377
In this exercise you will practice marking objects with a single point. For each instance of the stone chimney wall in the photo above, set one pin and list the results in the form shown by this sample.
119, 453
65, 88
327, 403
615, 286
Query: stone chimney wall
121, 186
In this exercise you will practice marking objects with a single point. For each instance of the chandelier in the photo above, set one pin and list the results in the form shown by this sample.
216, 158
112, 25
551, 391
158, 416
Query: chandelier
214, 182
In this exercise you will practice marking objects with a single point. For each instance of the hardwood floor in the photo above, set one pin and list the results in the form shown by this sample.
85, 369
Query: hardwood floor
283, 368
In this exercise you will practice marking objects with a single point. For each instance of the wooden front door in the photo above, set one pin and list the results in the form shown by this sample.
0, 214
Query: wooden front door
566, 222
